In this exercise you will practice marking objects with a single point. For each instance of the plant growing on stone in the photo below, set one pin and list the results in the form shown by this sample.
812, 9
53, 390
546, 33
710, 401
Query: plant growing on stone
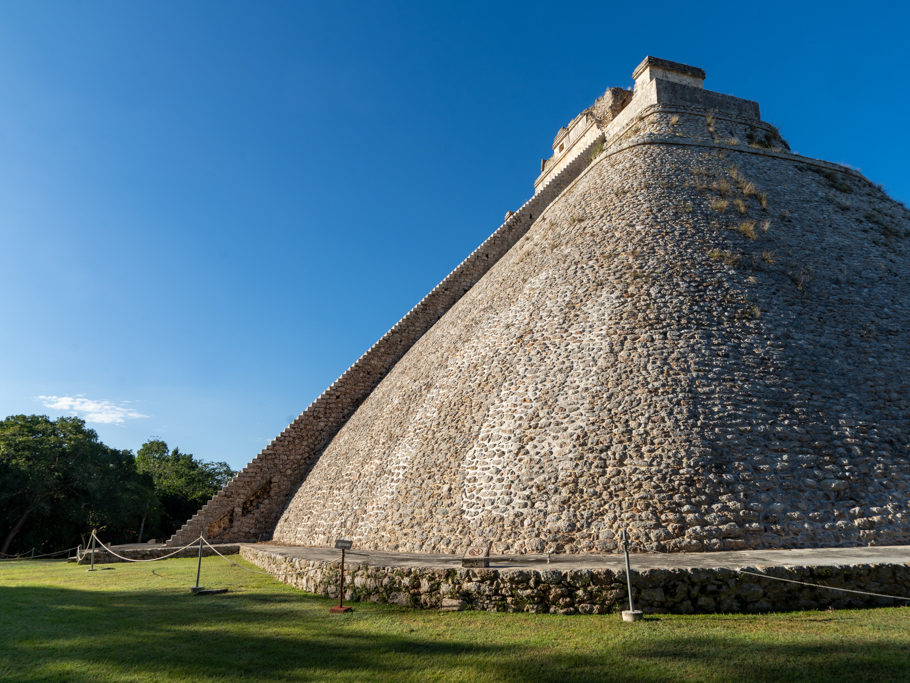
746, 229
836, 182
719, 204
725, 257
756, 141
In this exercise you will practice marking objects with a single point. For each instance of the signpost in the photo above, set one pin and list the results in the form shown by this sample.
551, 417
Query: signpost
477, 556
342, 545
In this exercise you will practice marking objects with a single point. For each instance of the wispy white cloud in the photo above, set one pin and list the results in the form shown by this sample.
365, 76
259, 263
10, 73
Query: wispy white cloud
104, 412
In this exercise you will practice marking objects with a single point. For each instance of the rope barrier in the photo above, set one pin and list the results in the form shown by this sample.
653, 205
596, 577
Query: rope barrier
247, 569
19, 558
818, 585
153, 559
254, 571
189, 545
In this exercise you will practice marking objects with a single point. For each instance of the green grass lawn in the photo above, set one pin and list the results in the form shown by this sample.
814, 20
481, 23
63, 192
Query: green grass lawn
139, 622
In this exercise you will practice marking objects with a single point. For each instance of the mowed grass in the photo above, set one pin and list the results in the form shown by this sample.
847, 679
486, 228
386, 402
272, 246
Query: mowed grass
139, 622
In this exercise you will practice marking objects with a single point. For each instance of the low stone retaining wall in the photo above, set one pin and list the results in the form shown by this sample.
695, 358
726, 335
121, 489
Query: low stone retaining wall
102, 556
593, 591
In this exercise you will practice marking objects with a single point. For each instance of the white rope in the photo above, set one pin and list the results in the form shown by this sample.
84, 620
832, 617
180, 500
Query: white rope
154, 559
818, 585
252, 571
240, 566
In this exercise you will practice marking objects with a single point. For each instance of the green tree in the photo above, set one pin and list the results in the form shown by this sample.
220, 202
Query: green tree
181, 484
57, 479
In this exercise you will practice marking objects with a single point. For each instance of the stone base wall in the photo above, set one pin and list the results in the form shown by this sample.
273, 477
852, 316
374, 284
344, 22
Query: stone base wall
592, 591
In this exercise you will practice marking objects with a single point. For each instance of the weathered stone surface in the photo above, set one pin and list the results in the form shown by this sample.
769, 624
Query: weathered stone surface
688, 333
238, 512
556, 591
636, 361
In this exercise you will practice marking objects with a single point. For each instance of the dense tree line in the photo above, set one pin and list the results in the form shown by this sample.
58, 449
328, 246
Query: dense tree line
58, 481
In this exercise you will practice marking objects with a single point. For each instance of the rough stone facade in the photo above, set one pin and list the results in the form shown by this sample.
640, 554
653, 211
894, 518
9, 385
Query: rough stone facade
248, 507
695, 336
592, 591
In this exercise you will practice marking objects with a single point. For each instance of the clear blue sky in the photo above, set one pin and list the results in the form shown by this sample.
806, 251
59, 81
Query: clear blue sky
208, 210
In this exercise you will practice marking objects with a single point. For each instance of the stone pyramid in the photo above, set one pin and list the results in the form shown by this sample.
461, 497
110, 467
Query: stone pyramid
688, 332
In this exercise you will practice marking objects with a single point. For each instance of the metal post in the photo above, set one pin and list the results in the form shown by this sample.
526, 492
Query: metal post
625, 548
201, 590
630, 614
93, 553
340, 607
341, 588
33, 554
198, 565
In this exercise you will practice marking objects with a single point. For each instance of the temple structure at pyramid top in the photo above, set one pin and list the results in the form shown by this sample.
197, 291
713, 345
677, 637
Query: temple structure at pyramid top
688, 333
658, 82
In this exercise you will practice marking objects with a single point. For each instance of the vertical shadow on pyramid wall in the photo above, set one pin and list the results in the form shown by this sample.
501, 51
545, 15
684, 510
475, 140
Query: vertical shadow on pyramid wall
698, 336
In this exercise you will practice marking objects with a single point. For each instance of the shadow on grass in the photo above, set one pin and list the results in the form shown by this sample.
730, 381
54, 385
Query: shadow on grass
87, 635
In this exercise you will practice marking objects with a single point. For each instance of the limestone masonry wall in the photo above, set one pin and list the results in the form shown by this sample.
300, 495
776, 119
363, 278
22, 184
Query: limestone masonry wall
701, 341
688, 333
591, 591
249, 506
